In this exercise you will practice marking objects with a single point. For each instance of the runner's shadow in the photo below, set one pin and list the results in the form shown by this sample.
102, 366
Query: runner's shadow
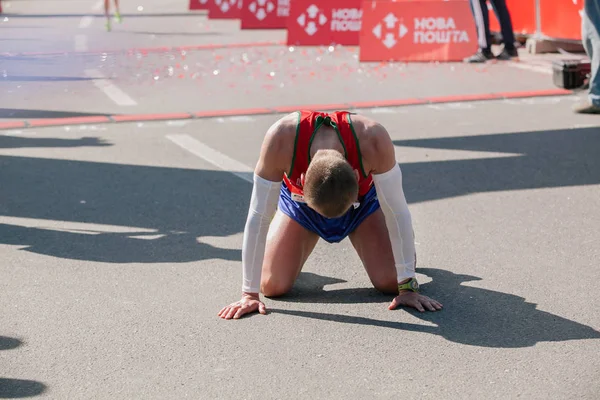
17, 388
310, 288
471, 316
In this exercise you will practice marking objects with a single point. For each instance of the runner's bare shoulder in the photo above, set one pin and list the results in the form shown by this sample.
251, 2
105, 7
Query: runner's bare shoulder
376, 146
277, 148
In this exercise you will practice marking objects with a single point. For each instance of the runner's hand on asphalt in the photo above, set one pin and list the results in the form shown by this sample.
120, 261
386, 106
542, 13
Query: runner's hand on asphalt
415, 300
249, 303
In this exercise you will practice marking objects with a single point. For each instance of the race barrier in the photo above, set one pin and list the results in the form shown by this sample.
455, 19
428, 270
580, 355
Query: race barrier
561, 19
400, 30
544, 20
417, 30
324, 23
265, 14
198, 4
224, 9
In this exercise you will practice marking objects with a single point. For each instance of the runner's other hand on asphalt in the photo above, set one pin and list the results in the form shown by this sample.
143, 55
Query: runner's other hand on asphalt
249, 303
415, 300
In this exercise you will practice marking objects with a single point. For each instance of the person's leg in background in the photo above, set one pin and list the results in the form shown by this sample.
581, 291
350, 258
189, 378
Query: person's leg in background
484, 37
118, 12
107, 13
590, 35
506, 27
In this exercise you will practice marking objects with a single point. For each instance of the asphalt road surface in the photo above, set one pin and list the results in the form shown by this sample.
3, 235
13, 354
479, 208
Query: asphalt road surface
120, 242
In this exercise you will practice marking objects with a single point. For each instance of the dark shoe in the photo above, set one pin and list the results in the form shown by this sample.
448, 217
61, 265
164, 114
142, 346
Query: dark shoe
480, 57
508, 54
587, 108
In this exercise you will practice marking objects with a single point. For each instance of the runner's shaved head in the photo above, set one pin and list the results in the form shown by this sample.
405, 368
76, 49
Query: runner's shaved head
330, 184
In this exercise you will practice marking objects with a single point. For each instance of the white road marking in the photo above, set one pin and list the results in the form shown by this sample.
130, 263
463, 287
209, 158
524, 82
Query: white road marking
112, 91
86, 21
213, 156
222, 242
81, 43
381, 110
147, 237
417, 155
177, 123
241, 118
71, 226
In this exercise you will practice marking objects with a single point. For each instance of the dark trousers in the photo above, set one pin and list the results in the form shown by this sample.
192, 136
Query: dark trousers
482, 22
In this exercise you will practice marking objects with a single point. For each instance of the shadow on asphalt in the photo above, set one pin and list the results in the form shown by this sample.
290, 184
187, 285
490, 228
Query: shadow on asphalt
17, 388
556, 158
23, 113
471, 315
7, 343
179, 205
154, 214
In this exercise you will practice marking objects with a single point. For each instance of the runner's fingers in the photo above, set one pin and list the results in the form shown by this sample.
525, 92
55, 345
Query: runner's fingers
429, 305
417, 304
241, 311
232, 312
223, 311
262, 309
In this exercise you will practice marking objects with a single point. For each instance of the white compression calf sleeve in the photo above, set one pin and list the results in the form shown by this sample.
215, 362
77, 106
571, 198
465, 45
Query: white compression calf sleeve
397, 219
263, 204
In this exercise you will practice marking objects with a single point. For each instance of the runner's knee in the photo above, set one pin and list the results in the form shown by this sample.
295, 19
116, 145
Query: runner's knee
386, 286
274, 288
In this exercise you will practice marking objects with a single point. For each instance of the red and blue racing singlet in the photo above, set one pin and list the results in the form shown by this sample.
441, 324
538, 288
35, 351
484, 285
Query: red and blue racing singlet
308, 124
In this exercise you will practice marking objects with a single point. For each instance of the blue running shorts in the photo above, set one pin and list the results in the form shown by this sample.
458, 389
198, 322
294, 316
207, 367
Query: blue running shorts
333, 230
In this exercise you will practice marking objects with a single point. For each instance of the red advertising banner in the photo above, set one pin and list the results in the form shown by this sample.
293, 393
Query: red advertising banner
265, 14
224, 9
320, 23
522, 14
561, 18
199, 4
419, 30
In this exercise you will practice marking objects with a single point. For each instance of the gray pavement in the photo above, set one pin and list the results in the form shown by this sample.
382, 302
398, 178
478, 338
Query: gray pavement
120, 250
119, 247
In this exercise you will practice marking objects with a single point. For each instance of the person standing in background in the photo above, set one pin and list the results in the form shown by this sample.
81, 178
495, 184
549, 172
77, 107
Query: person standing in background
482, 22
590, 34
107, 13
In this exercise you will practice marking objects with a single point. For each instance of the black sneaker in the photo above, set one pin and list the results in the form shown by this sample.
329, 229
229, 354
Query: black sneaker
480, 57
508, 54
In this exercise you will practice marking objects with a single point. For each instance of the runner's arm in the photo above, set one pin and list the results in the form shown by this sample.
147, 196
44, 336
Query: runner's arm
387, 178
267, 180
